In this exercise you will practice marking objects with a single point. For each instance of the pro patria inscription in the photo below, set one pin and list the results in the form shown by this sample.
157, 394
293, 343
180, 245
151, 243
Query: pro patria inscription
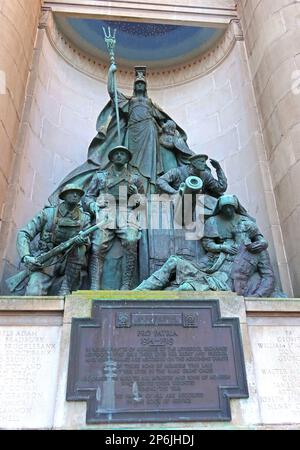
156, 361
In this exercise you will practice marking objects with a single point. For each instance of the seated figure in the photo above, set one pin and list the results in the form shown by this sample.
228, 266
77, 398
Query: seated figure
236, 258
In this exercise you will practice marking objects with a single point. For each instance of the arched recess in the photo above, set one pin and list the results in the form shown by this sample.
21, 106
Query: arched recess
211, 98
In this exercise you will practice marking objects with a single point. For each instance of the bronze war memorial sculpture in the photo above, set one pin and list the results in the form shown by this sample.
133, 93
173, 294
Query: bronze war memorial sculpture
90, 236
55, 226
109, 184
156, 142
236, 258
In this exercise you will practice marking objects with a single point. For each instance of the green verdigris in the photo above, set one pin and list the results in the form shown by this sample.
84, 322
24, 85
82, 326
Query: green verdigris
54, 226
171, 181
140, 125
108, 186
236, 258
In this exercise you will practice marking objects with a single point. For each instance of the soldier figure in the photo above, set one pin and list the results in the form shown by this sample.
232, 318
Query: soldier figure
235, 246
55, 225
236, 250
170, 182
120, 181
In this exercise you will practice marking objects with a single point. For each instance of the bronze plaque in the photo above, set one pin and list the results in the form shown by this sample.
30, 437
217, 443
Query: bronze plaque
156, 361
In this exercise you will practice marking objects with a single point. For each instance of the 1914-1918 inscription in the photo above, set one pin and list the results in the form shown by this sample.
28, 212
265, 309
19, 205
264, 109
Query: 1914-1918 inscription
156, 361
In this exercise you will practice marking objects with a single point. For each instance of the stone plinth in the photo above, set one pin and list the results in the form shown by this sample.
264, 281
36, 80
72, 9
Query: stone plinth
35, 343
275, 345
30, 332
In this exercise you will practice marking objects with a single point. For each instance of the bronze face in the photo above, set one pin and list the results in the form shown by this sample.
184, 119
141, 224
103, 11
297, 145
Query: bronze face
72, 197
120, 157
140, 87
199, 164
228, 211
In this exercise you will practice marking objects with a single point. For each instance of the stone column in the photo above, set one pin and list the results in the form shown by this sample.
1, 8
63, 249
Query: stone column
18, 29
272, 36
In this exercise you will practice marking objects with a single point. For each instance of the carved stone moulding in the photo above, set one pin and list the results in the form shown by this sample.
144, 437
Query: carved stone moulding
158, 79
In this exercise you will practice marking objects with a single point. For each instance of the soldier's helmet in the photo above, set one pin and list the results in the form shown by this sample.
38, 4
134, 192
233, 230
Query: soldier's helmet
225, 200
196, 157
68, 188
120, 147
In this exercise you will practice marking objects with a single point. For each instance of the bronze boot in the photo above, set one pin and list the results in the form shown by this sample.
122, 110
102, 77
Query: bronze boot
64, 288
71, 280
128, 272
151, 284
158, 281
95, 269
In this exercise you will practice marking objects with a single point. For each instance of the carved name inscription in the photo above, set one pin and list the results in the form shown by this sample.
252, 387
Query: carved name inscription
276, 351
28, 371
156, 361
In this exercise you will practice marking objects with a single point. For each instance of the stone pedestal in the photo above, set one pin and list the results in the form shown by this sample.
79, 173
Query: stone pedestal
30, 334
35, 343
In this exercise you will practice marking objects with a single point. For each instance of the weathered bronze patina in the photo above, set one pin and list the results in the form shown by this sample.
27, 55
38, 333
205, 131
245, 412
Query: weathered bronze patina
118, 181
156, 362
171, 181
140, 149
54, 226
236, 258
141, 124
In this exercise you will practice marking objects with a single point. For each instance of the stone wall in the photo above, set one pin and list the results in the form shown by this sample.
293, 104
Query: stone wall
217, 110
17, 36
272, 36
61, 117
18, 28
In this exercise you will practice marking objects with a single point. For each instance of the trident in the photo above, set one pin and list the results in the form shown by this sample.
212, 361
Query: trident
111, 43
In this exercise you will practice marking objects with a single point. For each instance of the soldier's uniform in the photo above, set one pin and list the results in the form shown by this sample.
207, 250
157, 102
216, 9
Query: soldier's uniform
238, 231
178, 273
55, 225
219, 271
125, 226
171, 181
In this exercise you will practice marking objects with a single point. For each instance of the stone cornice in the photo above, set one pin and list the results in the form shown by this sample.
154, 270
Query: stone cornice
158, 79
193, 12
